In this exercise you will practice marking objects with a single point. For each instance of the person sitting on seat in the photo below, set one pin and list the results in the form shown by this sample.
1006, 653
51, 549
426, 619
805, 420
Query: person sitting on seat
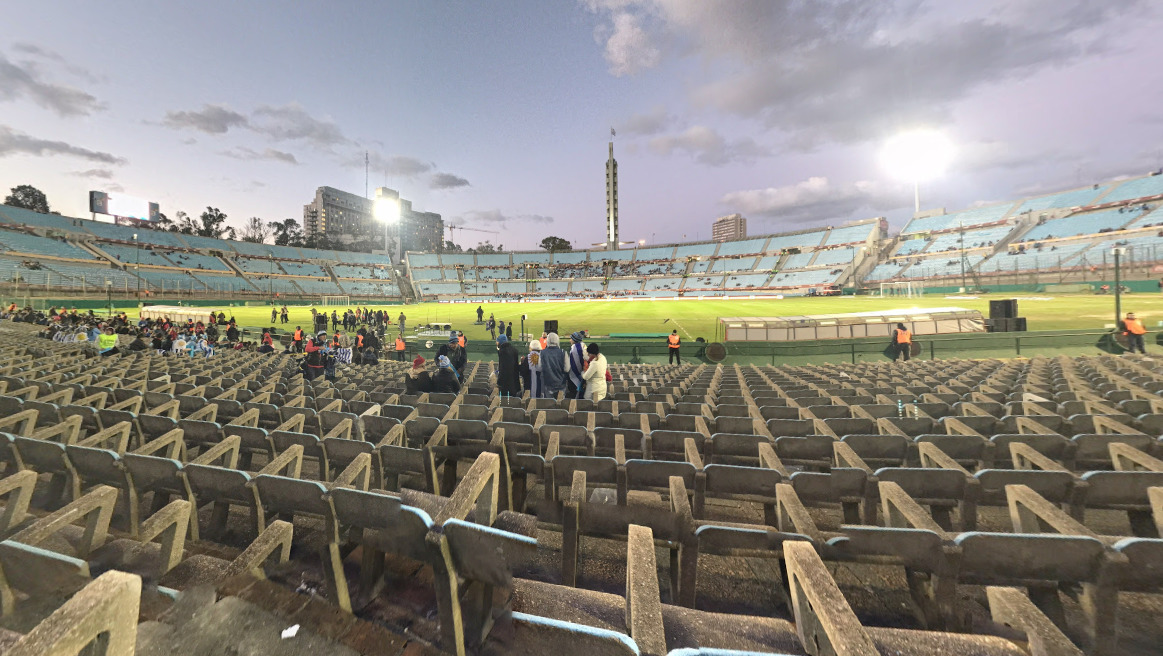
417, 380
445, 381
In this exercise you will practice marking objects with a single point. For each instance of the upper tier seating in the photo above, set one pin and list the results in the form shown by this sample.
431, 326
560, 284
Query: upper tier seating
850, 234
196, 261
144, 235
22, 242
129, 255
1081, 224
19, 216
1151, 185
967, 218
1075, 198
835, 257
742, 247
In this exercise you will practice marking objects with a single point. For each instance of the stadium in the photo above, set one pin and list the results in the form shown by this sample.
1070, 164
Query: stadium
932, 431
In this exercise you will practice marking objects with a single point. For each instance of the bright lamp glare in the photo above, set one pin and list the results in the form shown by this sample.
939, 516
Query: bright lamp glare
387, 210
917, 156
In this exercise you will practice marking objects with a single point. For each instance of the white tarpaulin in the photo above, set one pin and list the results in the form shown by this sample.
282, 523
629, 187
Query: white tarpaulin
178, 314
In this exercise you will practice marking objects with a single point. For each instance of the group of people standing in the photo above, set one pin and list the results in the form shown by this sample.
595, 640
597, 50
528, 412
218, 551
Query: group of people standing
580, 371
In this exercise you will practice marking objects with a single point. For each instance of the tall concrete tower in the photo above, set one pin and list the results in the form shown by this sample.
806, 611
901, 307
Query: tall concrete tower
611, 201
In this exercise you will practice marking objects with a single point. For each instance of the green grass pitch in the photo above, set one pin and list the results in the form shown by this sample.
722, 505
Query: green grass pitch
699, 318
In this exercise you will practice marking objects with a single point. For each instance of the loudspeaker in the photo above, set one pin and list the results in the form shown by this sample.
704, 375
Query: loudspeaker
551, 326
1003, 325
1020, 324
1003, 309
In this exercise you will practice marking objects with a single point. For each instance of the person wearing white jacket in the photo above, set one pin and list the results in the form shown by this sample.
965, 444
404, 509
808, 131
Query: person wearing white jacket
595, 374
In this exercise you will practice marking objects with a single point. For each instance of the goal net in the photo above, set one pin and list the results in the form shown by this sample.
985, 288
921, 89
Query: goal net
336, 300
903, 289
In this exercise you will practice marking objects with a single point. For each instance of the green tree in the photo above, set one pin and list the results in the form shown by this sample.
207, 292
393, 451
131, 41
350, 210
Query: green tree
184, 224
556, 245
450, 247
287, 232
255, 231
487, 247
213, 224
28, 197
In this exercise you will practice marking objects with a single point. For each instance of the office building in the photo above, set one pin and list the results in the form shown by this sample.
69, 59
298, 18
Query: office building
728, 228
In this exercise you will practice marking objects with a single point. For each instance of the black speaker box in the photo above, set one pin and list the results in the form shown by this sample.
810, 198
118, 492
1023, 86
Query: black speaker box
551, 326
1003, 325
1020, 324
1003, 309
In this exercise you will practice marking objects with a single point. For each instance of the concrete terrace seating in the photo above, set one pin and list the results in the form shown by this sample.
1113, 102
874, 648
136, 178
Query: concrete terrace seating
21, 242
1081, 224
1075, 198
697, 508
966, 218
1132, 189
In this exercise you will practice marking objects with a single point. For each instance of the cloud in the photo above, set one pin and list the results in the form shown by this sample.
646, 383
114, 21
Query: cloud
496, 218
22, 80
100, 174
817, 199
291, 122
270, 154
33, 50
628, 47
396, 165
850, 70
211, 119
708, 146
13, 142
647, 123
447, 181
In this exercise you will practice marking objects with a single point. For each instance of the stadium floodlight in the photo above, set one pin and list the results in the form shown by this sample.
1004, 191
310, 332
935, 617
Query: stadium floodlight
917, 156
387, 209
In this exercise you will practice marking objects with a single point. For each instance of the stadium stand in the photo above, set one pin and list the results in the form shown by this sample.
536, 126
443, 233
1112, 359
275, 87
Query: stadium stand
966, 218
912, 509
1144, 187
1081, 224
21, 242
1075, 198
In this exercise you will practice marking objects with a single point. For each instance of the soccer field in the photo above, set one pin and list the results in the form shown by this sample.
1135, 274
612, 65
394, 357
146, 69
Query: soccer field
695, 318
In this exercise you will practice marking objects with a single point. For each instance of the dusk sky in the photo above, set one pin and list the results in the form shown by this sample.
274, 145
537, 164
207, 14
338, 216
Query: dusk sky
497, 114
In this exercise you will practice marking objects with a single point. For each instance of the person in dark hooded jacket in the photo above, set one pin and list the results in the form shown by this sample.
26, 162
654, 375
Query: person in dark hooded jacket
455, 354
417, 380
445, 380
508, 372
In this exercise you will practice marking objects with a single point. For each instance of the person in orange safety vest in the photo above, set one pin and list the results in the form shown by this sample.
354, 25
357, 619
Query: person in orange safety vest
1134, 330
673, 342
902, 339
400, 346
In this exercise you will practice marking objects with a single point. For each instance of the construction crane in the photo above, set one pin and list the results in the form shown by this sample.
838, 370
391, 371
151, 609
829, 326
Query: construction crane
452, 232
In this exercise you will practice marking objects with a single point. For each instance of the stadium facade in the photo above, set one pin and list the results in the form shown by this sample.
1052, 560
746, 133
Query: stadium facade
1065, 238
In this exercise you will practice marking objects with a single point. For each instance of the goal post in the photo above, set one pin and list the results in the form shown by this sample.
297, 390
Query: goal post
336, 300
903, 289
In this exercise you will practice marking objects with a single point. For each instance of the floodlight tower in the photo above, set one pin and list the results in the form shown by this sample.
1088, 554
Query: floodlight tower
917, 156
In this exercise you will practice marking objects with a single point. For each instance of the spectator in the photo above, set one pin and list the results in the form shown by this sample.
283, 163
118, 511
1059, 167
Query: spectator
508, 377
575, 366
595, 374
553, 367
455, 354
445, 381
533, 364
417, 380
